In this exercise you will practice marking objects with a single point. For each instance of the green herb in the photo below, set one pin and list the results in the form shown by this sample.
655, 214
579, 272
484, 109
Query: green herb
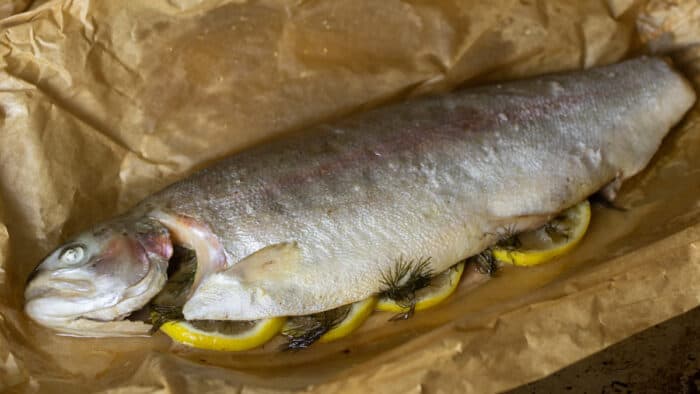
485, 262
161, 314
303, 331
167, 305
403, 281
508, 238
556, 229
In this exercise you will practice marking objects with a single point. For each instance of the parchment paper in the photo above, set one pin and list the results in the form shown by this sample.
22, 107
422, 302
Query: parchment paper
11, 7
105, 102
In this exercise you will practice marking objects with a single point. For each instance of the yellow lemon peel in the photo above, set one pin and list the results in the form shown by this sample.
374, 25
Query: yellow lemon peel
359, 312
440, 288
542, 247
258, 334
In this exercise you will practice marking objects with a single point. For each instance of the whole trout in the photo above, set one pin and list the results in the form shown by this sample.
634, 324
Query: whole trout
312, 221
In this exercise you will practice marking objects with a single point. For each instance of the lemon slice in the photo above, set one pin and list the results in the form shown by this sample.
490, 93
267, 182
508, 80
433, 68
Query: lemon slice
223, 335
556, 238
359, 312
441, 287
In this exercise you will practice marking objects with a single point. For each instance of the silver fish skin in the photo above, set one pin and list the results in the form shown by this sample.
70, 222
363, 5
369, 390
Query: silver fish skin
312, 221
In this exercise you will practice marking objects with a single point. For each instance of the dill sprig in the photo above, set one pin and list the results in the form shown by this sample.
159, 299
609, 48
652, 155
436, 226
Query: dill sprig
485, 262
161, 314
303, 331
555, 229
403, 281
604, 202
508, 238
181, 272
167, 305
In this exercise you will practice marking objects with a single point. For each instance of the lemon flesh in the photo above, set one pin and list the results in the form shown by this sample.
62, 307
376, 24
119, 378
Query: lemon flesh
359, 312
539, 246
441, 287
224, 335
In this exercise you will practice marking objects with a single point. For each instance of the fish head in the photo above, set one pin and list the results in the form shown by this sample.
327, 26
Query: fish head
100, 277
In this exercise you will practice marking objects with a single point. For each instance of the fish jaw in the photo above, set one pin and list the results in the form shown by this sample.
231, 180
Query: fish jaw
104, 329
100, 276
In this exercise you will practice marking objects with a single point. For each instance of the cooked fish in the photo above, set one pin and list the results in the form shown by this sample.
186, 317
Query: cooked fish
312, 221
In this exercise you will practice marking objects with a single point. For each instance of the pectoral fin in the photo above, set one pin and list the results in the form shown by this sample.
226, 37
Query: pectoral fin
269, 263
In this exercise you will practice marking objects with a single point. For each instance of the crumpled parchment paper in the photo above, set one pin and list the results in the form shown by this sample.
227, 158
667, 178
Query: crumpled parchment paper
105, 102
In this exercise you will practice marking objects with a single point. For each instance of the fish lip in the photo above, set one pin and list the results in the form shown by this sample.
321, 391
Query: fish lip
92, 328
54, 287
56, 284
64, 325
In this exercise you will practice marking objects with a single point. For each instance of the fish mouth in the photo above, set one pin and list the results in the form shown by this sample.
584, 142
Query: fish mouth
181, 268
68, 307
121, 266
62, 288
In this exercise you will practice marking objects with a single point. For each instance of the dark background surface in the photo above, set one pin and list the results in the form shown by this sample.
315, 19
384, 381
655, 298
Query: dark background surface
662, 359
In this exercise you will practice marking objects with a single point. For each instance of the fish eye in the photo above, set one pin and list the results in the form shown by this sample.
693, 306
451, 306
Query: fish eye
72, 254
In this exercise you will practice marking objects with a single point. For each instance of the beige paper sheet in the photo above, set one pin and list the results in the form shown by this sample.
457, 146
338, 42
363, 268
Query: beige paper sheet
105, 102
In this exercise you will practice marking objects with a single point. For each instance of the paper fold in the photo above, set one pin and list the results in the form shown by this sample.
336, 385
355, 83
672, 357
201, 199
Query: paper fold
103, 103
